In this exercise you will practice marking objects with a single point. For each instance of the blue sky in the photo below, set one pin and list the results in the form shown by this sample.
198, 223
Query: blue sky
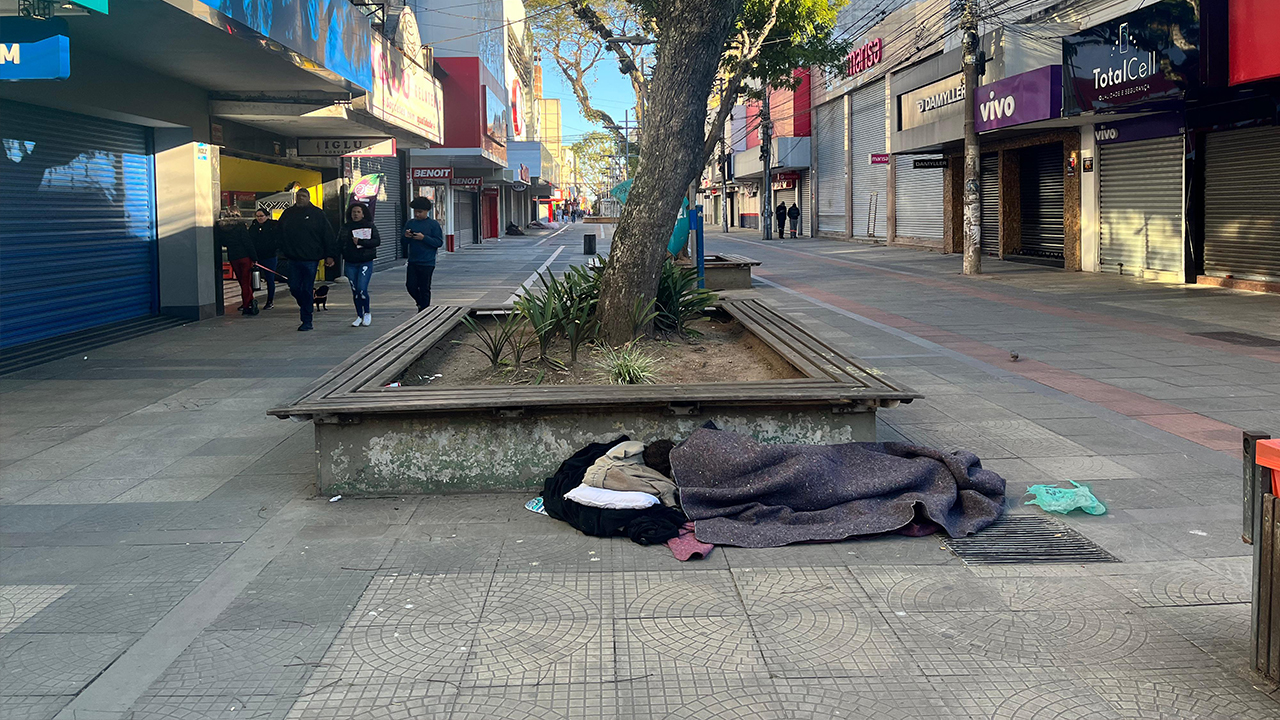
609, 91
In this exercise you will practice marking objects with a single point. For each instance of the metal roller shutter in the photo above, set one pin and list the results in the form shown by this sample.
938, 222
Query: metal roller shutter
386, 213
464, 217
918, 196
869, 183
829, 134
1242, 204
989, 203
802, 200
1043, 232
77, 244
783, 196
1141, 205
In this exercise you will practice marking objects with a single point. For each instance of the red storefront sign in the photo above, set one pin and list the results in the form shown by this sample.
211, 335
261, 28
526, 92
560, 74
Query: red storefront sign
1253, 51
422, 175
784, 181
865, 57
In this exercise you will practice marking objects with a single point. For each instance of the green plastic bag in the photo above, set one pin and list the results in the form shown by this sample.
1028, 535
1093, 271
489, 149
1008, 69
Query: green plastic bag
1064, 500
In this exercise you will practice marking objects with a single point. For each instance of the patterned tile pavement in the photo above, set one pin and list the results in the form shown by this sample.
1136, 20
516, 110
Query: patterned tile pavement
175, 517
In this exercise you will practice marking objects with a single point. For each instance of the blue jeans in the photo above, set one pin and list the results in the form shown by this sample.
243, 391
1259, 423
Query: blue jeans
270, 277
302, 285
359, 274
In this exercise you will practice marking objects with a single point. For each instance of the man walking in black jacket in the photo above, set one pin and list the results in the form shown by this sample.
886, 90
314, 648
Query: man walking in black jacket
306, 238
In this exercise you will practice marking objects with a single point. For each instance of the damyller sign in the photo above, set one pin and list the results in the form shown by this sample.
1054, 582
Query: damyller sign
1144, 59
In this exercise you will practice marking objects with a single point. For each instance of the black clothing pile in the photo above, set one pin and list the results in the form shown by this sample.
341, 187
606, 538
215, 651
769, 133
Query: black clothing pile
649, 526
741, 492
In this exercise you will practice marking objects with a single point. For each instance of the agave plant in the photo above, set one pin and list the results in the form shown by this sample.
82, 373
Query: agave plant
541, 310
680, 301
493, 338
579, 324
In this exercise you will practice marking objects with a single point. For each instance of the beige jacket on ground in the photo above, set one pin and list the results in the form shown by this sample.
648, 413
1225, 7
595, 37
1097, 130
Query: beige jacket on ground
623, 469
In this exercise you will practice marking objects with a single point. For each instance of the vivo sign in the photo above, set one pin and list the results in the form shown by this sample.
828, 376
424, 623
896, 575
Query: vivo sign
1022, 98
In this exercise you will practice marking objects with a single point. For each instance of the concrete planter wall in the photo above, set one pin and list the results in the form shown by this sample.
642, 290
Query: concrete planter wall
374, 440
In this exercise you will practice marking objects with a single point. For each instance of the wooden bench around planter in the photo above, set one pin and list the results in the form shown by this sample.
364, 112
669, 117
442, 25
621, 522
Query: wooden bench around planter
373, 439
728, 272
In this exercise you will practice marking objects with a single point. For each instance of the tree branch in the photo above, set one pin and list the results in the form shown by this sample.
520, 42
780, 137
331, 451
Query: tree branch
626, 61
733, 89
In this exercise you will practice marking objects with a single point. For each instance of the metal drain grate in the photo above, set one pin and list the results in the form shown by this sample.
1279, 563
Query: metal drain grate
1027, 539
1239, 338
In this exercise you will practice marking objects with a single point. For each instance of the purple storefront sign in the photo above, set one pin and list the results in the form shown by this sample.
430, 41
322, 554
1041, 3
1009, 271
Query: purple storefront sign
1143, 128
1025, 97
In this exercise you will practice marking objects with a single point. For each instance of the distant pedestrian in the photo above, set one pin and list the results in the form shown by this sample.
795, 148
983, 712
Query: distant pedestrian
424, 237
359, 241
266, 241
780, 213
234, 236
793, 213
306, 238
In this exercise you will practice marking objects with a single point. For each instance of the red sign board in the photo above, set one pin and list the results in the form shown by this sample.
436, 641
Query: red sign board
879, 158
1253, 50
470, 183
433, 173
865, 57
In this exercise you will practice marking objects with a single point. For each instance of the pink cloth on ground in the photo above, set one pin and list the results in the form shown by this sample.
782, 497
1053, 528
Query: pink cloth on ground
685, 546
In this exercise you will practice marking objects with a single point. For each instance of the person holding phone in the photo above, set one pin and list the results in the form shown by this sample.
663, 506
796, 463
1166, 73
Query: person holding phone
424, 237
359, 242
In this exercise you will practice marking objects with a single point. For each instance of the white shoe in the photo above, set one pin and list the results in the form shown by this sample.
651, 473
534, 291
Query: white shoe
367, 320
357, 322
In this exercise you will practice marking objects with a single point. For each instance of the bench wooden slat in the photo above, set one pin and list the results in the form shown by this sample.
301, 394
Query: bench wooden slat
795, 343
739, 259
830, 361
397, 351
320, 386
403, 400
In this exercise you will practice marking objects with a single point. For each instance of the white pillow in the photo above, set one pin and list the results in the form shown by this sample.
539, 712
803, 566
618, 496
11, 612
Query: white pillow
611, 499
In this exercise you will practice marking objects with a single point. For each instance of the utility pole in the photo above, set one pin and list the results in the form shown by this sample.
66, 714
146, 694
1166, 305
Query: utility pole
972, 224
724, 184
766, 196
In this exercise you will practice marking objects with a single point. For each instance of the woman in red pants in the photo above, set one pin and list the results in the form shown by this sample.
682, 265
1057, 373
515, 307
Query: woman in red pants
242, 255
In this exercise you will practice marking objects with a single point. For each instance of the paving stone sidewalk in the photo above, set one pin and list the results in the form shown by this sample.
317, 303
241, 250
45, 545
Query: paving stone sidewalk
162, 554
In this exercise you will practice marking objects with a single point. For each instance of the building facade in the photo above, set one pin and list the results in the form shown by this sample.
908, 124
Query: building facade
146, 122
1125, 137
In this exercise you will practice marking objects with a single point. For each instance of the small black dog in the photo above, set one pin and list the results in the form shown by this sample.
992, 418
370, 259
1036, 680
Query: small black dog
322, 297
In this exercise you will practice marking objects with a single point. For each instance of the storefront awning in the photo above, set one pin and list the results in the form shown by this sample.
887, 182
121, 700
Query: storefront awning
310, 120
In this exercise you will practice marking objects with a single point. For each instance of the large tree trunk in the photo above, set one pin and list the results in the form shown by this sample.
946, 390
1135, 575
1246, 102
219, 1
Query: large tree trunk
691, 36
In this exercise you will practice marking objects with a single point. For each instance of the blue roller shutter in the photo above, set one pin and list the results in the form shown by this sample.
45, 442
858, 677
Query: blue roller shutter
77, 245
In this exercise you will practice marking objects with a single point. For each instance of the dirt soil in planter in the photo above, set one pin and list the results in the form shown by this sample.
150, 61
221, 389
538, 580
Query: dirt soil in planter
726, 352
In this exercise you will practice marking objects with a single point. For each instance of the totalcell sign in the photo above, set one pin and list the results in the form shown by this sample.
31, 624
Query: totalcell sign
1022, 98
1140, 60
865, 57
